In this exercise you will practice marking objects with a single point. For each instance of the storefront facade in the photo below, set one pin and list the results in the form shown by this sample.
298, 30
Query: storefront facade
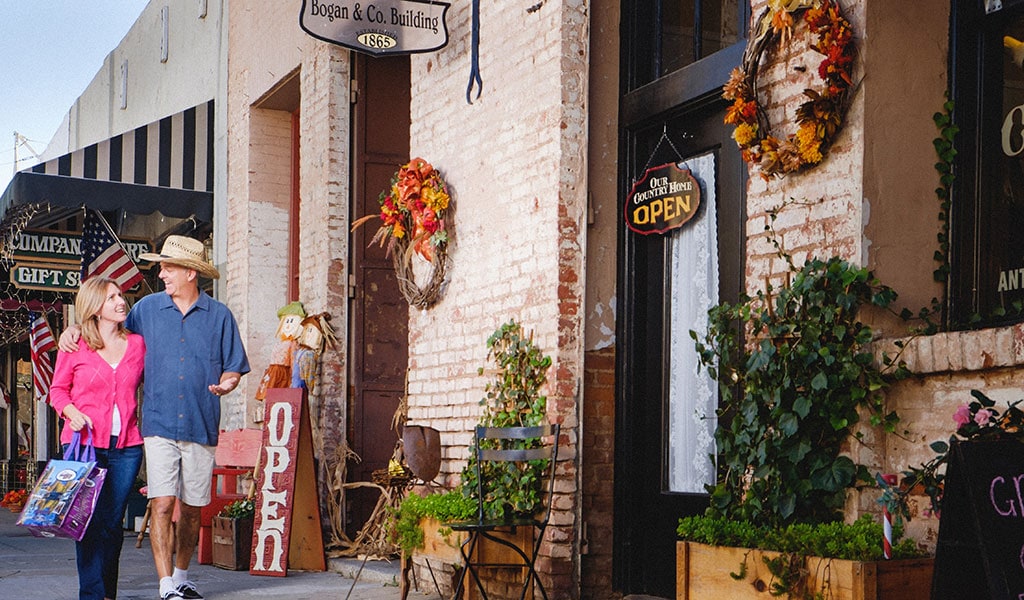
578, 100
139, 148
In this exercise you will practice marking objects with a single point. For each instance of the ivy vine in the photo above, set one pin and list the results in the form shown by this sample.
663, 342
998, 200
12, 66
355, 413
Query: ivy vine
512, 399
794, 373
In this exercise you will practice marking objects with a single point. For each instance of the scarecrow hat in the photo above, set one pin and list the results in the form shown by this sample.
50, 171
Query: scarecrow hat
185, 252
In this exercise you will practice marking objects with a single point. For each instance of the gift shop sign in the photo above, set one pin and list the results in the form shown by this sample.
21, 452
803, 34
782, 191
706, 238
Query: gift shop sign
665, 198
45, 277
377, 26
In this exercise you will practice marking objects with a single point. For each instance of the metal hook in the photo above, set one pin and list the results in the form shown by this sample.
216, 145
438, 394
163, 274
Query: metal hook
474, 68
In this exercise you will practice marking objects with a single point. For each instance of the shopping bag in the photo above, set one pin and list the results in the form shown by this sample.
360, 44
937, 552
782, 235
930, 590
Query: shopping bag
63, 500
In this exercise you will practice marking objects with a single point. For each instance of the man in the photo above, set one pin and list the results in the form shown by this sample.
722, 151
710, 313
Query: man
194, 354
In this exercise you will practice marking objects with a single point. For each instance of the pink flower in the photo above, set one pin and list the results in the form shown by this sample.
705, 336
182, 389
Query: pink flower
962, 416
983, 417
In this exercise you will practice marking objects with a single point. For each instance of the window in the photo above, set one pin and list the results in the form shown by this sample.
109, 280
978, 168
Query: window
987, 79
668, 35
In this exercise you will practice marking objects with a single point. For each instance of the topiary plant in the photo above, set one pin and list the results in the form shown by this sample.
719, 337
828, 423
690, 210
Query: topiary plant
513, 399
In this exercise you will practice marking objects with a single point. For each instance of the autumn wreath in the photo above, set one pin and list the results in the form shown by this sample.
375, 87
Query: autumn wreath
820, 117
415, 210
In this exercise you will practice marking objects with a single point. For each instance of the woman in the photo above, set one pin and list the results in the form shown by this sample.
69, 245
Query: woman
95, 388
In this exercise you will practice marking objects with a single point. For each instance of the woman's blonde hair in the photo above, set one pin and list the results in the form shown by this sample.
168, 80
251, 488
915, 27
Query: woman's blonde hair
88, 303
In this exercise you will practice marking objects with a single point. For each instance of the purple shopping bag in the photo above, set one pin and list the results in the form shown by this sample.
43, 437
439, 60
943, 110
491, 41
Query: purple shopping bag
63, 500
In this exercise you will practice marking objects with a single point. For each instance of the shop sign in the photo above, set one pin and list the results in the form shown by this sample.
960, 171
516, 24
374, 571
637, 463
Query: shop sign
53, 278
378, 27
275, 484
286, 526
665, 198
65, 246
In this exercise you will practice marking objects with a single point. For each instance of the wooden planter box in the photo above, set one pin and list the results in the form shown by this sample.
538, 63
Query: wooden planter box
232, 543
703, 571
444, 558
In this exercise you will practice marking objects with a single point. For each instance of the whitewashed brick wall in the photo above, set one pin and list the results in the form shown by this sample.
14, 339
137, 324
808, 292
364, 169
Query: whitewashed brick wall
827, 215
260, 183
515, 162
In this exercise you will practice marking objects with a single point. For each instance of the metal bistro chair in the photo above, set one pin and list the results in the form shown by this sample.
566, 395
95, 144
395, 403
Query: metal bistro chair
484, 528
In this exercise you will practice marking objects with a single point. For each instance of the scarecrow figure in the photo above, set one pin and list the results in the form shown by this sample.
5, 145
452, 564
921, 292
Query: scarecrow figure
289, 329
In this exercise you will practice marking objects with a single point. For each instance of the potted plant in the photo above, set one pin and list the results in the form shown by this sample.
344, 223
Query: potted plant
232, 535
15, 500
795, 374
512, 398
726, 558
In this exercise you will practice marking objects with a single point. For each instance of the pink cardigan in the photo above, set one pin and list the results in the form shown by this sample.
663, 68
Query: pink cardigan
84, 379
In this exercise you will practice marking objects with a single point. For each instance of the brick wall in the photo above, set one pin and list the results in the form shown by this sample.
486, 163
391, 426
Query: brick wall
828, 212
514, 161
598, 462
267, 49
323, 222
948, 366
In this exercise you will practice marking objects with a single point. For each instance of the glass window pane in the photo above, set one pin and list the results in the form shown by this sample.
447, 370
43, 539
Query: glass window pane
1000, 259
717, 20
677, 26
720, 23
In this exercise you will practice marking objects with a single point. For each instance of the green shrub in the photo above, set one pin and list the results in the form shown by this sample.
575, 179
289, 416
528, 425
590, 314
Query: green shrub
860, 540
445, 507
239, 509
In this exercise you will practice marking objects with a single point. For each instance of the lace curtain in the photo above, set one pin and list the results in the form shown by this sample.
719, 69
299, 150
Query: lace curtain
692, 263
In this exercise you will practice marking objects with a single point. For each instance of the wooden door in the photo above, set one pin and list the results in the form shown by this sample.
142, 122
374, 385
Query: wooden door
380, 315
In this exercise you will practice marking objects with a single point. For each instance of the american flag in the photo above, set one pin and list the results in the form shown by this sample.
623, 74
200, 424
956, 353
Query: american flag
41, 341
103, 255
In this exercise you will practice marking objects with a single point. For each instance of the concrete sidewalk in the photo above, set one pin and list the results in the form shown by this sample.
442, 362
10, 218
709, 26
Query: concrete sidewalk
34, 568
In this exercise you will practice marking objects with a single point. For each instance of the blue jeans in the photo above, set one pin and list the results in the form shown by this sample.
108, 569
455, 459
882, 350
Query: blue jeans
99, 552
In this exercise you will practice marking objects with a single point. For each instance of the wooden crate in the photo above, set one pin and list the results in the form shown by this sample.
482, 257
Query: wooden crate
438, 548
232, 543
704, 571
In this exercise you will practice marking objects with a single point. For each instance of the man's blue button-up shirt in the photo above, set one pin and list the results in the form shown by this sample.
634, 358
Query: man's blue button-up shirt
184, 355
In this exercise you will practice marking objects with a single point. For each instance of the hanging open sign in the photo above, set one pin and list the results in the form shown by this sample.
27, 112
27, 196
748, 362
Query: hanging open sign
665, 198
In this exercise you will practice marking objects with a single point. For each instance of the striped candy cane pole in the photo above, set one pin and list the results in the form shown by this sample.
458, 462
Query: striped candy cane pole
887, 522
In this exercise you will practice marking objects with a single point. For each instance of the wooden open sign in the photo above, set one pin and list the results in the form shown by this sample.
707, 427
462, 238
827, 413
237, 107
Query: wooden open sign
665, 198
286, 529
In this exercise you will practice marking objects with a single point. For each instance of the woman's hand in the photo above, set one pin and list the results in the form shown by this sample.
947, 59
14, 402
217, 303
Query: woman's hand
76, 419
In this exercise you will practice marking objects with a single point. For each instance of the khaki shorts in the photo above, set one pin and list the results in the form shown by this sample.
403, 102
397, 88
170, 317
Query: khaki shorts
177, 468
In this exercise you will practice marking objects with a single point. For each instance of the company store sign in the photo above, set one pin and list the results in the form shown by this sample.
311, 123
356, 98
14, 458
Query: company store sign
51, 260
378, 27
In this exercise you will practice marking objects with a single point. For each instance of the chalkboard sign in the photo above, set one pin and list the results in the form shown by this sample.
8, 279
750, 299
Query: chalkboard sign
980, 550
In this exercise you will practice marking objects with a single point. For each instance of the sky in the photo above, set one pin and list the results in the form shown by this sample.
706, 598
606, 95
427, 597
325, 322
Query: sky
49, 53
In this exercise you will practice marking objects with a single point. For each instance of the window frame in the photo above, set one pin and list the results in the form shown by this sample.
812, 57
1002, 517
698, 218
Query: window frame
975, 59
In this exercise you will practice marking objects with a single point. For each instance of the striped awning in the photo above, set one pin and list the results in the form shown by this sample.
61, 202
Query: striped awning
166, 166
173, 153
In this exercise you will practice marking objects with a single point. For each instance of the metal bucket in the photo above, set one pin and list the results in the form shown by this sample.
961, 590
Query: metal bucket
422, 448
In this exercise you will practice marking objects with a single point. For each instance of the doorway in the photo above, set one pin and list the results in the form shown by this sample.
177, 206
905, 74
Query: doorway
661, 424
379, 328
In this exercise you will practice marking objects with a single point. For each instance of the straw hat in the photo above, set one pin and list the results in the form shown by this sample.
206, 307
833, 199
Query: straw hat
185, 252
